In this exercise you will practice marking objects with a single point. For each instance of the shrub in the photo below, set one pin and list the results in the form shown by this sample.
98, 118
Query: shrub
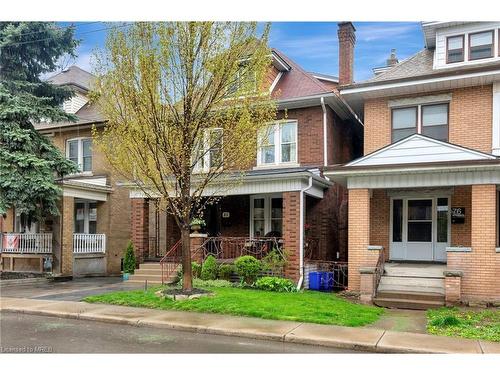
196, 270
209, 268
274, 262
199, 283
275, 284
225, 271
248, 268
445, 321
129, 259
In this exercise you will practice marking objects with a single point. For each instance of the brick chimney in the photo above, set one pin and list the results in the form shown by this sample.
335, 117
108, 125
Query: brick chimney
347, 40
392, 60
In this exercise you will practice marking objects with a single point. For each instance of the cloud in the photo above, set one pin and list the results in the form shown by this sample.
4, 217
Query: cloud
370, 33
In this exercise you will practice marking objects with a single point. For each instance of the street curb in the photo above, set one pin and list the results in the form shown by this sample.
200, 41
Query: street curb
366, 339
28, 281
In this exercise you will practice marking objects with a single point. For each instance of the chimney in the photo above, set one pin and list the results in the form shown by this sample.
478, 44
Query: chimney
347, 39
392, 60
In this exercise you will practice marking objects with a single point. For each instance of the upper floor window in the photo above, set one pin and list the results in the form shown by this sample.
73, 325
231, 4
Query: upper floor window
430, 120
80, 152
455, 49
209, 150
278, 144
481, 45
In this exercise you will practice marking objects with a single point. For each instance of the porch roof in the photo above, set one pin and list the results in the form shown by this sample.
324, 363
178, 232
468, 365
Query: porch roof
89, 187
258, 181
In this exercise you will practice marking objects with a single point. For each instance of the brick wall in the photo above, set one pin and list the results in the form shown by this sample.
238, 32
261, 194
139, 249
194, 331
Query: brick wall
359, 236
461, 233
480, 267
469, 119
380, 220
291, 228
68, 208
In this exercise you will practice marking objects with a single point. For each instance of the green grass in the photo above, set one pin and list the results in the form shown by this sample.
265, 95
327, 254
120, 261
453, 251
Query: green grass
472, 324
307, 306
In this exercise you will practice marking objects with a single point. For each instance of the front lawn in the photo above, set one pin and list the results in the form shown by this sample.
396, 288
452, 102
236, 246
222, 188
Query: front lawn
472, 324
306, 306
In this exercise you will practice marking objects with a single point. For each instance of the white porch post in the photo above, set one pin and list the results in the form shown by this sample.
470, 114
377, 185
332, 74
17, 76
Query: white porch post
496, 119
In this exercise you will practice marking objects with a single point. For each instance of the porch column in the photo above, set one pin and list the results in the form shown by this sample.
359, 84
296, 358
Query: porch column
359, 236
140, 227
67, 218
291, 233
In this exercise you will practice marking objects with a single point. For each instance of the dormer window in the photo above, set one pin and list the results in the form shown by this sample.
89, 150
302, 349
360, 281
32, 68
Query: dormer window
79, 151
481, 45
455, 49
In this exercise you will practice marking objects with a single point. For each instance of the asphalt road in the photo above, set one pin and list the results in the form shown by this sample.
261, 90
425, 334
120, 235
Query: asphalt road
33, 333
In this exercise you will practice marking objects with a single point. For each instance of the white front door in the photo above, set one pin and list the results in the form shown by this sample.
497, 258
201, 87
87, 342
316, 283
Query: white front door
420, 229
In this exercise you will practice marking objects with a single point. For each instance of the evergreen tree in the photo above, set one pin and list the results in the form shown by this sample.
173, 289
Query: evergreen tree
29, 162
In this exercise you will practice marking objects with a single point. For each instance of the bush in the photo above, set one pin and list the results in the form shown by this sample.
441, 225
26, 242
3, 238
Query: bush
275, 284
196, 270
248, 268
209, 268
129, 259
274, 262
199, 283
445, 321
225, 271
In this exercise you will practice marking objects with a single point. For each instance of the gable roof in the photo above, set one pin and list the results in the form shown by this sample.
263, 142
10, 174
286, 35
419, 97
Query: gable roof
418, 148
296, 82
73, 76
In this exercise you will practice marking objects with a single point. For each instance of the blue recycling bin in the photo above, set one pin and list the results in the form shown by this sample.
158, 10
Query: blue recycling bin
315, 280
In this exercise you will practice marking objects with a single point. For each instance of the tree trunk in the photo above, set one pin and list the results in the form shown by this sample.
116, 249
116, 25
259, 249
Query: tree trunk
187, 281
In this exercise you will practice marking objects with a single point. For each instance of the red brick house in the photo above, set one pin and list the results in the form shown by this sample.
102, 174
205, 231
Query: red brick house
424, 197
285, 194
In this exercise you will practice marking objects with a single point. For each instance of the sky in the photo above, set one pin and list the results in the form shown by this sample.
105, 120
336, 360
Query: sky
313, 45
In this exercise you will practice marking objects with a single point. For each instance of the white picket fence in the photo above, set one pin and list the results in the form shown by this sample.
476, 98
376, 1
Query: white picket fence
84, 243
26, 243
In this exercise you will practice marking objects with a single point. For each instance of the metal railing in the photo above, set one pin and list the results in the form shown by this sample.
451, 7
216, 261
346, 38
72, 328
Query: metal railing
339, 270
84, 243
171, 261
228, 248
379, 271
312, 248
26, 243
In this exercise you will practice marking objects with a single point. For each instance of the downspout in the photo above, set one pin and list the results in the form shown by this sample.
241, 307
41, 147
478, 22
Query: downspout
301, 232
325, 133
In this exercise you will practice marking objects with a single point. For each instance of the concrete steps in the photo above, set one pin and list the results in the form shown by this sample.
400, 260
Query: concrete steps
150, 272
411, 286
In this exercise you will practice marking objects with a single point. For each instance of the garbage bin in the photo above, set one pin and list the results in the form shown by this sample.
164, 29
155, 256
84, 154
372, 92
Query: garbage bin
315, 280
327, 281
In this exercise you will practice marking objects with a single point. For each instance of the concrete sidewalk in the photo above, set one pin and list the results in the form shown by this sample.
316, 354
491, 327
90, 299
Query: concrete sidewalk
365, 339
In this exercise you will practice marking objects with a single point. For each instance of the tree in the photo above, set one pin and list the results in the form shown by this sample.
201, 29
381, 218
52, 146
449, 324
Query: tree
184, 104
29, 161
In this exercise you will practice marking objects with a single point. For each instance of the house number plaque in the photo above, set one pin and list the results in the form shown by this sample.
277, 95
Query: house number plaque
457, 215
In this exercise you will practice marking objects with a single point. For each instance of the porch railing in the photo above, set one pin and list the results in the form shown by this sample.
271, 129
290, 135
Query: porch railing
224, 248
171, 261
26, 243
379, 271
84, 243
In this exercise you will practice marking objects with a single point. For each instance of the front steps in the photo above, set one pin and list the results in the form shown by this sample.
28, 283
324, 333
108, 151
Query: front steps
411, 286
150, 272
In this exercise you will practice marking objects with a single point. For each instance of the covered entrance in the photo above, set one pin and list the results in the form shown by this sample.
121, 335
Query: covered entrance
420, 228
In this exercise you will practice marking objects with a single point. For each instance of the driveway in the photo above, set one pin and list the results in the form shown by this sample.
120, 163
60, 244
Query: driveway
73, 290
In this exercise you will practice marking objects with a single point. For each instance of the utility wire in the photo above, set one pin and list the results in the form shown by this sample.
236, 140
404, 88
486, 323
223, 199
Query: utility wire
46, 39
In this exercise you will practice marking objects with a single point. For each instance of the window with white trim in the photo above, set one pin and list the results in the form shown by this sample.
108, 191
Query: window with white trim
266, 216
209, 150
427, 119
79, 151
481, 45
85, 217
278, 144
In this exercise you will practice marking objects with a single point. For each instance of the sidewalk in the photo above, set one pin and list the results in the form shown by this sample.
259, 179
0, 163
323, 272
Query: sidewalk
365, 339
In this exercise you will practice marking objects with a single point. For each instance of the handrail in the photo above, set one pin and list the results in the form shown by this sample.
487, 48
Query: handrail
233, 247
26, 243
168, 255
379, 270
89, 243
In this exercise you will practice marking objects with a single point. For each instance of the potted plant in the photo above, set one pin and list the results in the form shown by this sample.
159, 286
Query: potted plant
196, 224
128, 261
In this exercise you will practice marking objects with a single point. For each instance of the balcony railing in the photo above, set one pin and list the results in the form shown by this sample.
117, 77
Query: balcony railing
26, 243
84, 243
234, 247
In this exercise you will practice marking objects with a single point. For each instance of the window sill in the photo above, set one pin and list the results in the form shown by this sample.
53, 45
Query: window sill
497, 249
458, 249
80, 174
274, 166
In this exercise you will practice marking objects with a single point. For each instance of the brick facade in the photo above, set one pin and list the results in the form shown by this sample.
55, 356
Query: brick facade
140, 227
380, 220
291, 229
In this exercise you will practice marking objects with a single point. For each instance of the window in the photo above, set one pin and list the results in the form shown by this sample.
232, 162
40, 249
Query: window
481, 45
278, 144
85, 217
209, 151
455, 49
266, 216
404, 122
79, 151
442, 220
432, 121
397, 220
435, 121
245, 81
